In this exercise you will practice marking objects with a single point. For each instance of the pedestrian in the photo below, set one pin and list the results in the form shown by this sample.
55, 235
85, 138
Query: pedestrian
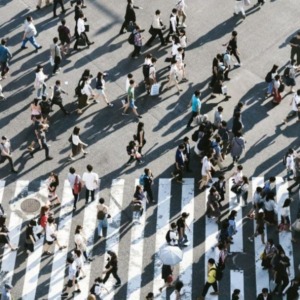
172, 237
156, 29
239, 6
98, 289
270, 208
215, 69
81, 31
140, 137
138, 41
291, 290
53, 183
64, 35
131, 99
233, 41
78, 261
43, 219
285, 223
224, 237
55, 53
179, 164
196, 107
187, 153
72, 279
35, 109
244, 188
232, 224
85, 93
219, 88
39, 5
278, 88
137, 204
269, 186
213, 205
257, 203
100, 88
57, 97
180, 6
51, 236
6, 292
237, 147
211, 278
220, 186
206, 170
150, 296
295, 228
112, 268
39, 83
148, 181
91, 182
29, 34
290, 163
5, 57
237, 124
236, 294
77, 12
268, 253
223, 132
76, 185
281, 273
173, 76
152, 75
221, 255
260, 227
4, 235
227, 62
167, 276
295, 103
129, 16
45, 105
218, 117
76, 143
80, 243
42, 142
181, 227
102, 216
217, 151
6, 153
295, 47
264, 295
173, 25
29, 237
61, 3
289, 75
132, 151
270, 80
296, 175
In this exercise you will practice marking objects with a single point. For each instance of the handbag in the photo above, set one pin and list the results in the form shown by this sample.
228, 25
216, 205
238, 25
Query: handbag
155, 89
86, 28
152, 30
224, 89
237, 189
77, 186
81, 41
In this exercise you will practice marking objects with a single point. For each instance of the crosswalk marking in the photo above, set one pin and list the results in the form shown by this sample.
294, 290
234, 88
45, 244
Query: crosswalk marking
136, 257
186, 265
237, 282
89, 225
15, 224
2, 185
60, 257
162, 226
113, 230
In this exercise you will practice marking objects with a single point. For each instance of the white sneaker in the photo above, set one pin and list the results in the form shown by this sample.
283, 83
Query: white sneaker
123, 101
183, 25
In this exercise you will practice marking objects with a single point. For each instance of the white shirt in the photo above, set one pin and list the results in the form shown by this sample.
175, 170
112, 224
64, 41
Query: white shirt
50, 229
156, 22
174, 237
127, 84
173, 22
40, 77
238, 177
175, 47
71, 179
76, 140
256, 198
72, 271
152, 72
270, 205
99, 288
80, 26
295, 102
206, 166
87, 89
183, 41
80, 241
78, 261
285, 211
290, 163
30, 30
90, 180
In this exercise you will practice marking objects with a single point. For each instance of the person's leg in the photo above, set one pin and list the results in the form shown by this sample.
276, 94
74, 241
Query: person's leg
46, 148
116, 277
54, 8
100, 223
194, 114
234, 52
33, 42
106, 276
124, 26
61, 2
205, 289
135, 51
161, 36
62, 108
87, 194
215, 286
93, 195
183, 16
24, 42
11, 163
130, 160
75, 199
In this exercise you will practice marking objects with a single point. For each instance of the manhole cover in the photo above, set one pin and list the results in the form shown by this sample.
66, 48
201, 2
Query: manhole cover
30, 205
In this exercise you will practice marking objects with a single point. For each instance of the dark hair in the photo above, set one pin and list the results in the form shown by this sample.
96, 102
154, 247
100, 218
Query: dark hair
99, 75
236, 292
259, 189
174, 10
274, 68
212, 190
140, 127
35, 101
181, 146
129, 75
220, 108
146, 171
234, 33
186, 139
38, 68
197, 93
89, 168
63, 21
153, 60
70, 260
272, 179
72, 170
78, 228
232, 214
178, 285
224, 123
81, 15
265, 290
29, 18
221, 177
240, 167
245, 179
77, 252
76, 130
298, 92
32, 223
277, 77
98, 279
55, 40
101, 200
157, 12
211, 261
131, 81
3, 42
58, 82
50, 220
185, 215
287, 202
173, 225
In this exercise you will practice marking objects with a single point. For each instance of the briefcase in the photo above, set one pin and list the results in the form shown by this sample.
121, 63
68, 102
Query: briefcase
87, 28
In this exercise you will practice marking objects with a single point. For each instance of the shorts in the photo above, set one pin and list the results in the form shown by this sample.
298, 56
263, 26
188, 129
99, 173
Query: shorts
70, 283
101, 92
131, 103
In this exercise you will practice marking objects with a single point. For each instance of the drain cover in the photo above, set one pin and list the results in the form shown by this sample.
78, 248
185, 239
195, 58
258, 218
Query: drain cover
30, 205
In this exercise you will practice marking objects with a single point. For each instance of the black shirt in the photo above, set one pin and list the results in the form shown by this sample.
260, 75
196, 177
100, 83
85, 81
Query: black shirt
113, 263
180, 224
295, 41
29, 232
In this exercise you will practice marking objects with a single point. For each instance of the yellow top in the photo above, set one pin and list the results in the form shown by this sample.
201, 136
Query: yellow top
211, 275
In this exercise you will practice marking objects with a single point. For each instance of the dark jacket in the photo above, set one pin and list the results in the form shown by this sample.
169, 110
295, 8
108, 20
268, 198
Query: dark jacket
261, 297
130, 13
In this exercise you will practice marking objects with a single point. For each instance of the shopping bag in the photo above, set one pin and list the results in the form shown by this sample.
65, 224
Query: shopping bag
51, 60
155, 89
86, 28
81, 41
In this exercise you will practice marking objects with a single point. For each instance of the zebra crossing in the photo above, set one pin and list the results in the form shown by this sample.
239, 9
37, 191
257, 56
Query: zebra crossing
190, 201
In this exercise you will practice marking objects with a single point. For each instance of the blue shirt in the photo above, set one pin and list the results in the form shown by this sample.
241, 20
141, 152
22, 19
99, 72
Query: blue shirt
5, 54
179, 157
196, 104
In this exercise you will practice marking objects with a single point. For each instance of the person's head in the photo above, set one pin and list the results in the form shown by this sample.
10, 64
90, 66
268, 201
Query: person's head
35, 101
63, 21
245, 179
44, 209
153, 60
55, 40
265, 291
180, 50
76, 130
221, 246
77, 252
50, 220
174, 11
58, 82
138, 188
91, 297
287, 202
234, 33
173, 225
81, 15
140, 126
270, 242
100, 75
39, 68
72, 170
291, 151
178, 285
236, 292
232, 214
150, 296
29, 19
219, 56
131, 82
184, 215
272, 179
44, 98
112, 254
70, 260
137, 27
78, 229
101, 200
181, 147
218, 139
3, 42
157, 12
182, 32
270, 196
277, 77
211, 261
197, 93
32, 223
239, 167
212, 190
129, 76
89, 168
221, 178
220, 109
98, 280
224, 124
8, 287
78, 2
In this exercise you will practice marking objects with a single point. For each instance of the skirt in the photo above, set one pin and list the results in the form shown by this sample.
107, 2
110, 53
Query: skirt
76, 149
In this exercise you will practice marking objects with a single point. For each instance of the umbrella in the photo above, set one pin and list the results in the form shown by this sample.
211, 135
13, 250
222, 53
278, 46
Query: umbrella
170, 255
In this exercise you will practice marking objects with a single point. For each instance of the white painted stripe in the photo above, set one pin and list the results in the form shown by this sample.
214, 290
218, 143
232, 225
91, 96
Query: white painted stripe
262, 276
15, 225
237, 282
32, 270
113, 229
237, 245
136, 256
89, 227
211, 241
284, 236
2, 185
162, 226
64, 228
186, 265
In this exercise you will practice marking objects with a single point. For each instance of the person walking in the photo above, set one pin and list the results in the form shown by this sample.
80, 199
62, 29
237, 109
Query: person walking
232, 225
181, 227
57, 96
173, 76
39, 5
72, 278
91, 182
180, 6
112, 268
131, 100
77, 144
260, 227
132, 151
268, 254
6, 153
98, 288
39, 83
147, 184
53, 183
270, 80
167, 276
138, 204
227, 62
100, 88
76, 184
80, 242
140, 137
239, 6
295, 47
196, 107
129, 15
45, 105
35, 109
29, 237
270, 209
29, 34
291, 291
64, 35
179, 164
102, 215
156, 29
236, 294
84, 92
211, 278
55, 53
289, 75
213, 204
137, 42
5, 57
173, 25
237, 147
206, 170
296, 175
4, 235
233, 42
81, 32
172, 235
295, 103
285, 223
290, 164
61, 3
244, 188
281, 273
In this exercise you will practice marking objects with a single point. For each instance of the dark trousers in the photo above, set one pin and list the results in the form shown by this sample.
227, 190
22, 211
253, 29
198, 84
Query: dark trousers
295, 51
87, 194
114, 273
4, 68
4, 158
153, 36
207, 286
213, 80
59, 103
57, 61
61, 3
187, 162
83, 34
76, 196
234, 53
148, 190
44, 146
194, 114
178, 173
125, 25
284, 279
136, 51
171, 32
296, 183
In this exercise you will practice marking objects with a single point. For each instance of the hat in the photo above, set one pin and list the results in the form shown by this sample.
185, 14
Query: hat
150, 295
8, 286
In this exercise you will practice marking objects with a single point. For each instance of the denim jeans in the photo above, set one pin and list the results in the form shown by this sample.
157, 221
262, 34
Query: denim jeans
41, 91
102, 224
31, 40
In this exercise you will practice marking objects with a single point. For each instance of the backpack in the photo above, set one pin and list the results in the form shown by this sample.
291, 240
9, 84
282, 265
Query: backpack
146, 70
131, 38
128, 149
268, 77
101, 215
285, 158
142, 180
219, 273
195, 136
168, 239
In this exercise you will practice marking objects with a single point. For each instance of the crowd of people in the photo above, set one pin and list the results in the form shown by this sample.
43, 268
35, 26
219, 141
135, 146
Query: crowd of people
214, 141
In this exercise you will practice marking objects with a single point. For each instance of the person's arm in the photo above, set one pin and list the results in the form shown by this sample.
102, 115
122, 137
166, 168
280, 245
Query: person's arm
141, 139
173, 23
107, 270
